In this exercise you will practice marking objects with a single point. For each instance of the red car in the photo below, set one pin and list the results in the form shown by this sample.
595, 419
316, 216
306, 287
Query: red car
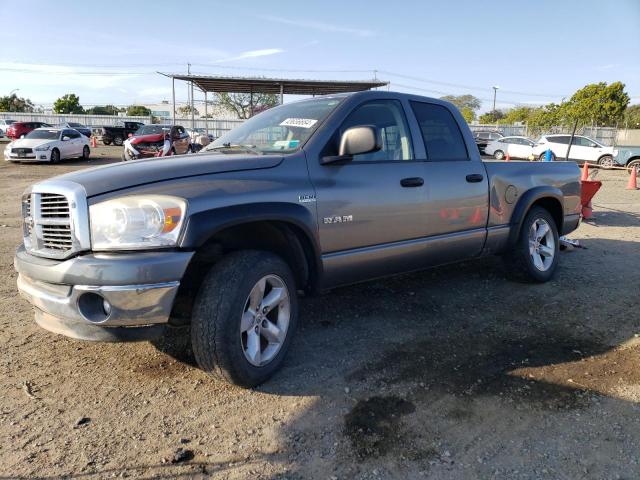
18, 129
149, 141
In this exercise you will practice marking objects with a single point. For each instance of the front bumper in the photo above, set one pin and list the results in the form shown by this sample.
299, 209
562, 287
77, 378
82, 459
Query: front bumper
36, 156
68, 296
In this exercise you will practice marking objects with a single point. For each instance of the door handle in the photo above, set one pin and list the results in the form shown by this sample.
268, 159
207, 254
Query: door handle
475, 178
412, 182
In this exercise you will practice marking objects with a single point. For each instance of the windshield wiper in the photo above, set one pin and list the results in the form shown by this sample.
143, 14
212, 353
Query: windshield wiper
232, 146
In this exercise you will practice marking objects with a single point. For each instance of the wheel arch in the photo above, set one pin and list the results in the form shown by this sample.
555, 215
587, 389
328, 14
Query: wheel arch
285, 230
549, 198
633, 159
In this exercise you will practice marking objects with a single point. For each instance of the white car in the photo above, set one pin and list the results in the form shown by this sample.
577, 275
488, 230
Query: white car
48, 145
516, 147
4, 124
583, 149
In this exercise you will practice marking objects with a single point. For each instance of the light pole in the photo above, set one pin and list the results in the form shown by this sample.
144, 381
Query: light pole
495, 89
14, 90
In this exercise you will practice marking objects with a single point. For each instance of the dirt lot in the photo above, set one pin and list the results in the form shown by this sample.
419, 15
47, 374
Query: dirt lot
451, 373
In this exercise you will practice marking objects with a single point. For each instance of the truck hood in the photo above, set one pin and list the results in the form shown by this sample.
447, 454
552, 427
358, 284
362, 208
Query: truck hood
151, 138
123, 175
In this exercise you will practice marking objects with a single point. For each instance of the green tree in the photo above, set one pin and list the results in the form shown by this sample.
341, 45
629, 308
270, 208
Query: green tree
13, 103
138, 111
548, 116
492, 117
599, 103
632, 116
185, 110
69, 103
463, 101
517, 114
468, 114
103, 110
245, 105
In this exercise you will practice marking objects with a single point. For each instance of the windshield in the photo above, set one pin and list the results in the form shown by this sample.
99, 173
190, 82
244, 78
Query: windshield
282, 129
73, 124
151, 129
43, 134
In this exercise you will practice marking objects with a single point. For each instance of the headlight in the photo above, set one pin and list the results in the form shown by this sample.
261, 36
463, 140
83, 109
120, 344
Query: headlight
43, 148
137, 222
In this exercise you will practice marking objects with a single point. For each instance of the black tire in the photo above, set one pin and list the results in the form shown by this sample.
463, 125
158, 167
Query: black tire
118, 141
543, 156
218, 309
519, 262
106, 142
55, 155
498, 154
634, 163
85, 153
606, 161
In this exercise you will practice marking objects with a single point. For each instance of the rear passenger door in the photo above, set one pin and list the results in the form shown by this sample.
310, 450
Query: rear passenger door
456, 187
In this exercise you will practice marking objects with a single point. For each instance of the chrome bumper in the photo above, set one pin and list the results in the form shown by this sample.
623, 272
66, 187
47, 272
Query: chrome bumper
68, 302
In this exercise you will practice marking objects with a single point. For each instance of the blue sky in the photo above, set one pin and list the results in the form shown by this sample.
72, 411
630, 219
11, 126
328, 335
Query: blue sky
536, 51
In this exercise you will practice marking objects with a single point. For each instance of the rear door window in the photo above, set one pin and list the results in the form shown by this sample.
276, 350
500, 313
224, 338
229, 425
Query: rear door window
442, 137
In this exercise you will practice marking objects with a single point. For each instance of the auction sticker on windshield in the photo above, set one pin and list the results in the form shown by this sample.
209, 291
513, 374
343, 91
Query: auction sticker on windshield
299, 122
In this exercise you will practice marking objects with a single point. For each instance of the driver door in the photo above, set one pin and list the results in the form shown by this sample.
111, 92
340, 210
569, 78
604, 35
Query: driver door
370, 208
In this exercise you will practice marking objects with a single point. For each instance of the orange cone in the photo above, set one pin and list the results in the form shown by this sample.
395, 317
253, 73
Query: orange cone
587, 211
93, 142
585, 171
507, 158
633, 179
476, 218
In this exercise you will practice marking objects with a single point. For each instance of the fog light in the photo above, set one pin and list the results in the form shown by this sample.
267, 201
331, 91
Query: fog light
106, 306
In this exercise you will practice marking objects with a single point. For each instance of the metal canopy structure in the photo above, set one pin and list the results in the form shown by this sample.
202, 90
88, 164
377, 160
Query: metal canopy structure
278, 86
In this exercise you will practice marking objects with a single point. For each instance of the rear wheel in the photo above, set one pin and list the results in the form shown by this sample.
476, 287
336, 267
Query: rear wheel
498, 154
106, 142
543, 156
118, 141
606, 161
534, 257
634, 163
55, 155
244, 317
85, 153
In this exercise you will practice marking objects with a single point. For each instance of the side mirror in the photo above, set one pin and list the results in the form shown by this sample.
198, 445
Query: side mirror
65, 138
593, 145
356, 141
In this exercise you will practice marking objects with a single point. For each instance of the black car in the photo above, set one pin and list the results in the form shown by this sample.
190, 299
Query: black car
483, 138
86, 131
116, 134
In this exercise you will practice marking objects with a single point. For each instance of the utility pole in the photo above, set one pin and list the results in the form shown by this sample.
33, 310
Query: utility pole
495, 89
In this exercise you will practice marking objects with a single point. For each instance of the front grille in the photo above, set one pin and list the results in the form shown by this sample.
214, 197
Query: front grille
53, 205
55, 220
22, 150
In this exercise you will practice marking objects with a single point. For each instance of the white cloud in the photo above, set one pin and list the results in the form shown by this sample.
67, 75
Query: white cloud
265, 52
321, 26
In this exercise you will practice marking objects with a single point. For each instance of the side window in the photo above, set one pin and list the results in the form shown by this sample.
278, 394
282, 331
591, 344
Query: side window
440, 132
75, 134
581, 142
388, 116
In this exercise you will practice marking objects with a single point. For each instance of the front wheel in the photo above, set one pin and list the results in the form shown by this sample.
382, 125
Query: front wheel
534, 257
635, 163
85, 153
244, 317
118, 141
543, 156
498, 154
55, 155
606, 161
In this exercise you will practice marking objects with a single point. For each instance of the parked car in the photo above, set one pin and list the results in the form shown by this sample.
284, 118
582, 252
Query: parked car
305, 196
583, 149
483, 138
86, 131
515, 146
48, 145
195, 133
149, 140
4, 124
18, 129
116, 134
627, 156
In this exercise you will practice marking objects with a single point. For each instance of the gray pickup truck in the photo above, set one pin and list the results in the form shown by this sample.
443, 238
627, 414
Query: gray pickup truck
304, 197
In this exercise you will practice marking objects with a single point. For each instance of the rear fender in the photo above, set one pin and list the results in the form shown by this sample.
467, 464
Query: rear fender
526, 202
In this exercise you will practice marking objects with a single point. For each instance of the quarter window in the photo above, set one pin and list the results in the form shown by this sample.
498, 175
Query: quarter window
440, 132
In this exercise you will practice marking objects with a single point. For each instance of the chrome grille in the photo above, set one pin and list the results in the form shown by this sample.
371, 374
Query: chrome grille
56, 220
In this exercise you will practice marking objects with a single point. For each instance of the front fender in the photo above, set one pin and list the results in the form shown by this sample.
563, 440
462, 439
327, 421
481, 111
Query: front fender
201, 226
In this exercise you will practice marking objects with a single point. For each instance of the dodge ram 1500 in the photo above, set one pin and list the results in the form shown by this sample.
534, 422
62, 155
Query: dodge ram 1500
303, 197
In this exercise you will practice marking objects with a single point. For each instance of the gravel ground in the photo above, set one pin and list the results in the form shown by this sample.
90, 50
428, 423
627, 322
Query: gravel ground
452, 373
